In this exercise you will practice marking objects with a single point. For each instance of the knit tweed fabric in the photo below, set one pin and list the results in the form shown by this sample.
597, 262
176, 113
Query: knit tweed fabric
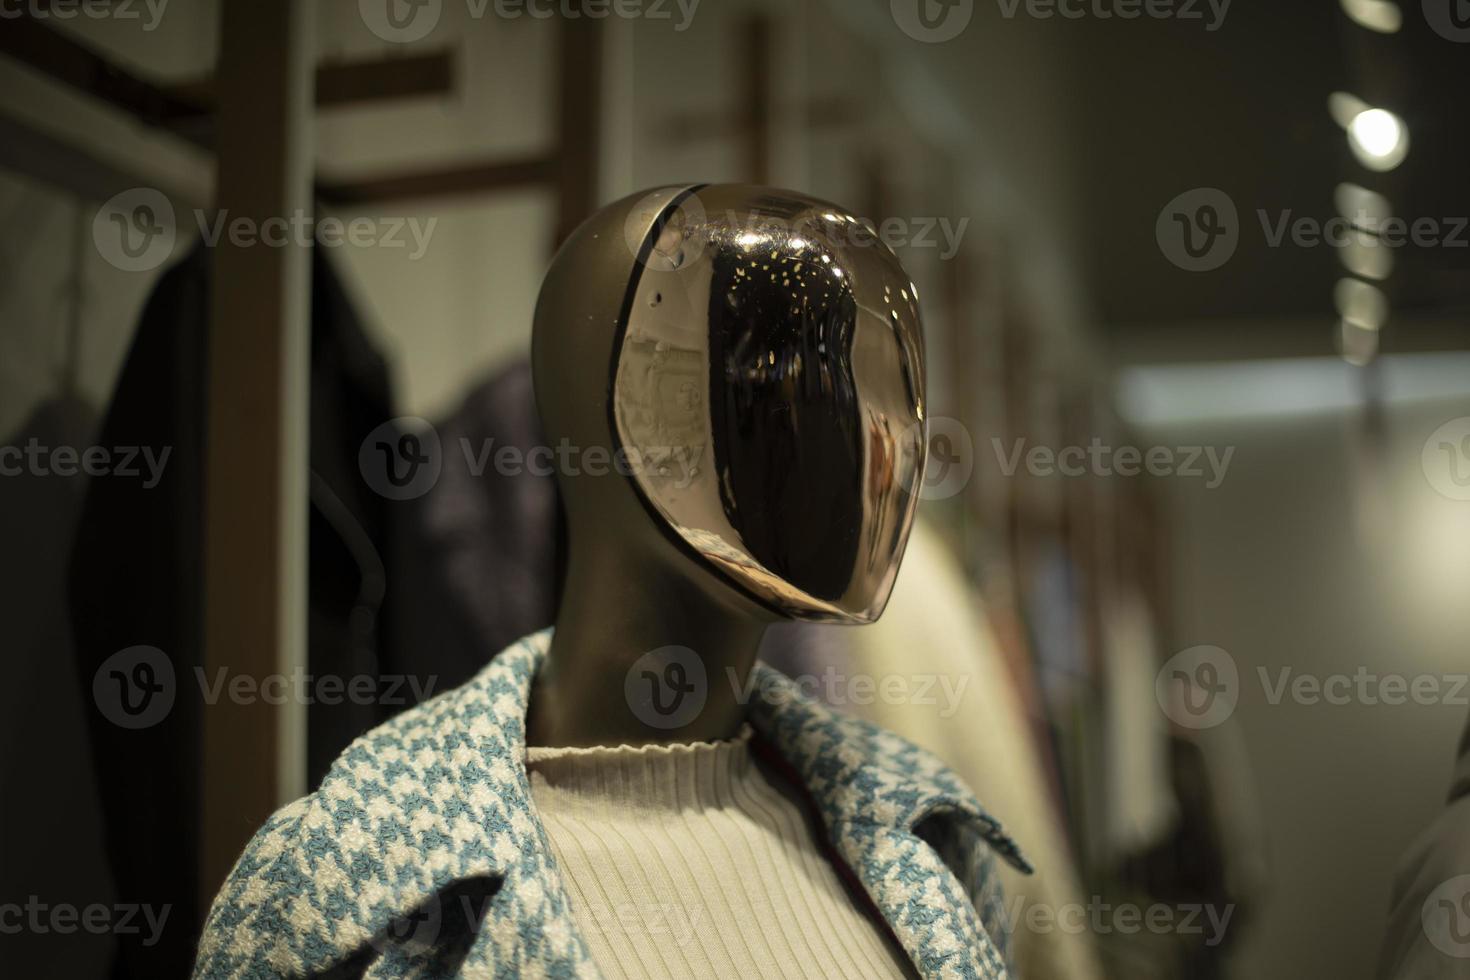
421, 855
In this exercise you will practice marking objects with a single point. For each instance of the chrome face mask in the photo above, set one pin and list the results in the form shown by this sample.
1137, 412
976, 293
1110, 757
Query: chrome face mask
768, 384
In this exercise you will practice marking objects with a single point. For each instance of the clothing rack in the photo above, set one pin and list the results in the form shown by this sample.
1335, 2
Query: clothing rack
255, 116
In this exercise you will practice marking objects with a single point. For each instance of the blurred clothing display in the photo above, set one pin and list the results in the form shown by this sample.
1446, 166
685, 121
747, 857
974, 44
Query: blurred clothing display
958, 702
1054, 606
135, 580
1140, 805
1429, 915
1212, 857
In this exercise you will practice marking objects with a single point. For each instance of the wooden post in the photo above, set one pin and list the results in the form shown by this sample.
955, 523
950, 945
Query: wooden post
756, 73
255, 505
579, 111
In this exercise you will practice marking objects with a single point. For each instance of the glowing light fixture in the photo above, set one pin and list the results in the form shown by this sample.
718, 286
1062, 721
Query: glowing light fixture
1357, 344
1361, 303
1379, 135
1376, 15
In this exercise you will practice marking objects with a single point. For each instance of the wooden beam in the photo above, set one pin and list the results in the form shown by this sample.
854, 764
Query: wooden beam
355, 82
42, 156
480, 178
74, 64
255, 503
188, 112
693, 127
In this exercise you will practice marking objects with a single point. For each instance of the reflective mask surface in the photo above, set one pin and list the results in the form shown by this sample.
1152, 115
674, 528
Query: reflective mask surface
769, 380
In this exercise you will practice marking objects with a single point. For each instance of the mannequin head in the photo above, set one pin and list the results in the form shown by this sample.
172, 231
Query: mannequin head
735, 378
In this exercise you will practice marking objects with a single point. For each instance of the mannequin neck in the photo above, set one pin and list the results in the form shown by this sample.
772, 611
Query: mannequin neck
616, 608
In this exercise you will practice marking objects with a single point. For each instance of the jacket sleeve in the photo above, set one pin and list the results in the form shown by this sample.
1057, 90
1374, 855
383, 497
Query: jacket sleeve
251, 930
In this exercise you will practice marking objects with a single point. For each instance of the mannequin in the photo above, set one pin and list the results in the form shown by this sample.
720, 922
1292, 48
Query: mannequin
732, 379
756, 357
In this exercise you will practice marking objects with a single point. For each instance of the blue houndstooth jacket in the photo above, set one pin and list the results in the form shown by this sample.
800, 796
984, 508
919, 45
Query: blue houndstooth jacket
421, 854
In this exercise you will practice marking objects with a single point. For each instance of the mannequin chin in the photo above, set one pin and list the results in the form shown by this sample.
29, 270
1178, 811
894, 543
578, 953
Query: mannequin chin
752, 359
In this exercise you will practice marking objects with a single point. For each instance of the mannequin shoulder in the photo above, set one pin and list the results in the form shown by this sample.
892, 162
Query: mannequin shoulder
296, 894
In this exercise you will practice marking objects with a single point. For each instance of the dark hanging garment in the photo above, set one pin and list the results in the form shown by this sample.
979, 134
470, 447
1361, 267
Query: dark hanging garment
482, 551
136, 580
1429, 914
43, 721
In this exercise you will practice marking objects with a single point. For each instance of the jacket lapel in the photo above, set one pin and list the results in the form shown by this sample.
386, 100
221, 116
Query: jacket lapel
884, 802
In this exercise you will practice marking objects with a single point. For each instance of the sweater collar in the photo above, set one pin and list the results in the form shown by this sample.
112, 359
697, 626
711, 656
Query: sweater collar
881, 800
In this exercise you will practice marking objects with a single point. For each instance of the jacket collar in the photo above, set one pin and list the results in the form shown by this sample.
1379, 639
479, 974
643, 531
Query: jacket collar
437, 806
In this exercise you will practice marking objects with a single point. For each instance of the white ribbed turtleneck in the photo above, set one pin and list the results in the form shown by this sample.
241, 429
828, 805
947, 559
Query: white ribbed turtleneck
694, 860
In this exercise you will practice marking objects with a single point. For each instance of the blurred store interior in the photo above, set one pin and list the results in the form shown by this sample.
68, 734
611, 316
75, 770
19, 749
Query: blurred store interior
1038, 174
